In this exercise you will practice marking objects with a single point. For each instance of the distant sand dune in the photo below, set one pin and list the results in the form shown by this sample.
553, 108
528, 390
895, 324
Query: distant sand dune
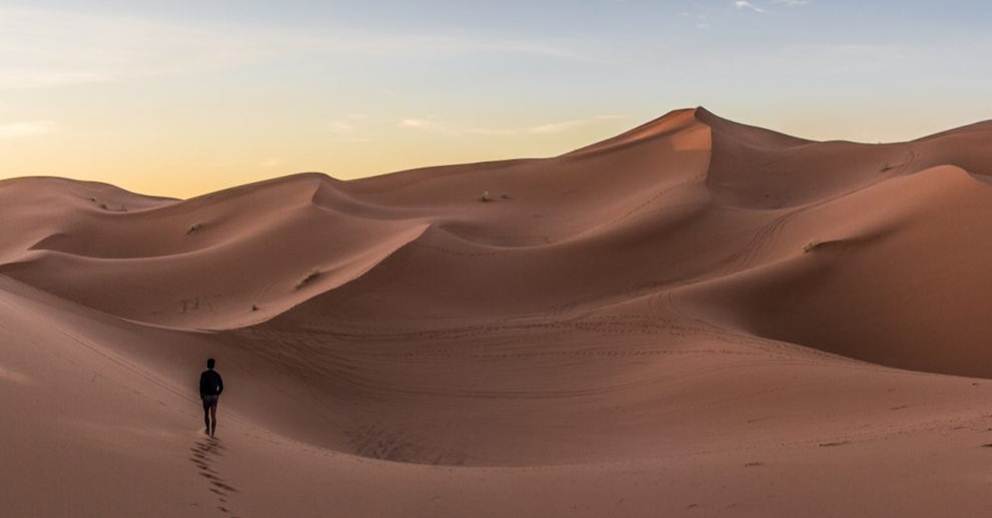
694, 318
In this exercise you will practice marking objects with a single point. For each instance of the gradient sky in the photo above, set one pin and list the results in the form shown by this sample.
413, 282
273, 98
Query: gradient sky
181, 99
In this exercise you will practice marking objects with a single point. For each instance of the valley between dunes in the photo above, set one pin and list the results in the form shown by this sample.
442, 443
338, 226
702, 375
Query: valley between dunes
694, 318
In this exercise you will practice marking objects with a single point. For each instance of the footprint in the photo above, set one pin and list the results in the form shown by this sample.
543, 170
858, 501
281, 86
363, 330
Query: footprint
204, 453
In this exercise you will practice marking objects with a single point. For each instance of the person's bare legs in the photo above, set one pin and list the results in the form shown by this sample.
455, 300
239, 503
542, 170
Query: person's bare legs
206, 418
213, 417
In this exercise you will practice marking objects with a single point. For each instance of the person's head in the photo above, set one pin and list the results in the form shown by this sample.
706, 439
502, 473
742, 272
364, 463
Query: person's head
210, 363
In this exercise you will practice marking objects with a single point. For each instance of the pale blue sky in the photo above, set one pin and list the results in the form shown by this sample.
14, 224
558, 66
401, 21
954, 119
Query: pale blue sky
186, 97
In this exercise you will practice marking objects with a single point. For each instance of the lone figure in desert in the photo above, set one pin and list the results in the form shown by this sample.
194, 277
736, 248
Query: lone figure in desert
211, 385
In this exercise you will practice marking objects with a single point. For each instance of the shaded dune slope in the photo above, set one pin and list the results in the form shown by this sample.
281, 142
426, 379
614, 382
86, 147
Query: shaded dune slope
403, 317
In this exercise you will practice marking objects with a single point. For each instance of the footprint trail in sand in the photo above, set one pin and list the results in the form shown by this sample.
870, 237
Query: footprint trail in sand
205, 454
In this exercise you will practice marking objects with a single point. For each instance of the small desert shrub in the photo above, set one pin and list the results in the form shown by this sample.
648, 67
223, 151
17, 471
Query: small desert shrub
254, 307
810, 246
505, 196
485, 197
108, 208
193, 228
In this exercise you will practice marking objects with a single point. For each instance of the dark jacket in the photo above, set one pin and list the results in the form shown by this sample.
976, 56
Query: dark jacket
211, 383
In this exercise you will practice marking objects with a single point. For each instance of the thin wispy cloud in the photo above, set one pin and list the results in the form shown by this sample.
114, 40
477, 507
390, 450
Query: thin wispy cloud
351, 128
46, 48
25, 129
539, 129
348, 125
563, 126
429, 124
750, 6
744, 4
417, 124
51, 47
701, 17
341, 127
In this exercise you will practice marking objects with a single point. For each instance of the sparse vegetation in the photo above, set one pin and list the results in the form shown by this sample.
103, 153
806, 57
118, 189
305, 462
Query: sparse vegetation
193, 228
254, 307
810, 246
106, 207
312, 276
486, 197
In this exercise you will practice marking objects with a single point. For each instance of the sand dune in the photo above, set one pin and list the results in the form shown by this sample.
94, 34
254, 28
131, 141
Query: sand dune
694, 318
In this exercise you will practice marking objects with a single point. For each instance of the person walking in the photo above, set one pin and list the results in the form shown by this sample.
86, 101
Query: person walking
211, 385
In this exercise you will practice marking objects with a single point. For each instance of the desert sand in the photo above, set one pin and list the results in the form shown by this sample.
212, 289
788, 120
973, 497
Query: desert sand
694, 318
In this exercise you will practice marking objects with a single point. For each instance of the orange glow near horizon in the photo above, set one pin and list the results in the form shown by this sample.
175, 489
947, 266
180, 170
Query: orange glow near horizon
166, 101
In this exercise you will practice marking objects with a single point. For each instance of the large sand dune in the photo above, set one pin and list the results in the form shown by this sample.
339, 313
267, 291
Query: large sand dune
694, 318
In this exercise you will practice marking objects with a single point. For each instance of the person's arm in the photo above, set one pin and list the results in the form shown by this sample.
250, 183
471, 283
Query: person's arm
220, 384
202, 385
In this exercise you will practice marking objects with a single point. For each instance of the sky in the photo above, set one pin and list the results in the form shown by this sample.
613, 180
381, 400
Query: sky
184, 98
